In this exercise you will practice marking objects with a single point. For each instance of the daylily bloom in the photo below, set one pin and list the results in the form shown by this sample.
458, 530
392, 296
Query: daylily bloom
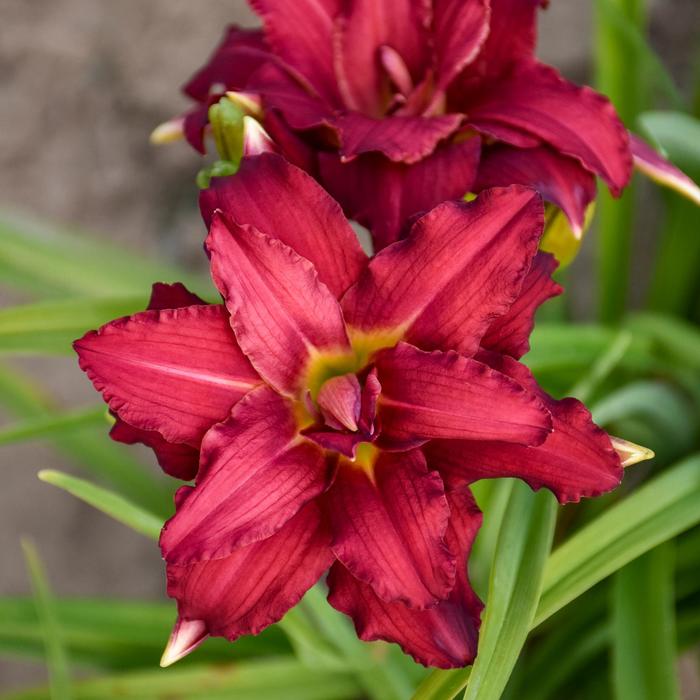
396, 106
341, 407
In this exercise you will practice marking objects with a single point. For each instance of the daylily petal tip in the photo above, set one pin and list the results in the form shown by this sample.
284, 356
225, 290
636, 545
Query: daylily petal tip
255, 139
249, 102
168, 132
186, 636
630, 453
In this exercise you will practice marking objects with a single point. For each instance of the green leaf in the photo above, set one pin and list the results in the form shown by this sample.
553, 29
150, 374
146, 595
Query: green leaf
248, 680
678, 339
657, 511
523, 545
56, 657
89, 447
677, 135
117, 634
47, 260
52, 326
48, 426
644, 652
110, 503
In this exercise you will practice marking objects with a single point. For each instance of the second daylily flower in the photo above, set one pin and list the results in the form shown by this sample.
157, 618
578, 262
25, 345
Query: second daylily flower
342, 406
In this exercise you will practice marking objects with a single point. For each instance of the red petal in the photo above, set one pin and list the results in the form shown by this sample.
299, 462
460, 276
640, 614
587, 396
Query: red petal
460, 29
443, 636
576, 121
255, 474
509, 334
401, 139
301, 34
388, 528
256, 585
176, 459
383, 196
280, 311
559, 179
432, 395
655, 166
577, 460
284, 202
367, 26
340, 400
461, 267
194, 124
239, 54
176, 371
172, 296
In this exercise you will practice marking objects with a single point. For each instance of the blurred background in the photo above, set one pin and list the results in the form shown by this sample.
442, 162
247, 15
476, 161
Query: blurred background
83, 84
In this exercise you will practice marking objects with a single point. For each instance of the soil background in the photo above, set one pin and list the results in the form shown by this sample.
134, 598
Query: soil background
82, 84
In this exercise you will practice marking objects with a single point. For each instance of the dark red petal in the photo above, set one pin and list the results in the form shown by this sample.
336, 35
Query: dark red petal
301, 34
509, 334
512, 37
460, 29
284, 202
294, 149
445, 635
172, 296
401, 139
239, 54
176, 459
176, 371
255, 474
281, 312
431, 395
284, 90
383, 196
389, 526
577, 460
362, 30
461, 267
194, 124
559, 179
577, 121
255, 586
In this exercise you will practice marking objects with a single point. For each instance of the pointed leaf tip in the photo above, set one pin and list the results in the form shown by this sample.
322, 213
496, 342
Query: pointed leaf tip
630, 453
186, 636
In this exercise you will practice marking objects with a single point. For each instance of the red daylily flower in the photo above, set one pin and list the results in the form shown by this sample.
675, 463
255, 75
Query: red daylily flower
341, 407
396, 106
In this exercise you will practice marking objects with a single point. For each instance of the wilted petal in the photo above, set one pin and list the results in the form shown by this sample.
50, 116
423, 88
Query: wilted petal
301, 34
281, 312
510, 333
383, 196
442, 394
284, 202
361, 31
460, 28
239, 54
401, 139
559, 179
175, 371
577, 121
255, 474
256, 585
655, 166
175, 459
444, 635
577, 459
388, 523
461, 267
